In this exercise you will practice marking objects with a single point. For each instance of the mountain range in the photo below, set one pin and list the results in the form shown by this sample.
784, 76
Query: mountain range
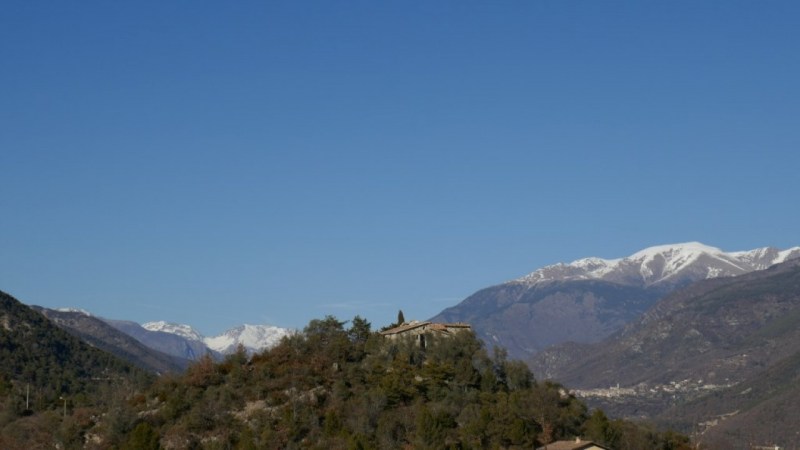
588, 299
720, 357
161, 346
253, 338
186, 342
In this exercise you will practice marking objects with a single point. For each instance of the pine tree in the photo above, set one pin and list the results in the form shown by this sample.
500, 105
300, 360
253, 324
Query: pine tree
400, 318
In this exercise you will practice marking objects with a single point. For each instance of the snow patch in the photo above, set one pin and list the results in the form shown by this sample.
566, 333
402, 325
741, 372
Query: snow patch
75, 310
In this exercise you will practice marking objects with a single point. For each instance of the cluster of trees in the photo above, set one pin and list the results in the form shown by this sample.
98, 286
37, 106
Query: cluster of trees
338, 387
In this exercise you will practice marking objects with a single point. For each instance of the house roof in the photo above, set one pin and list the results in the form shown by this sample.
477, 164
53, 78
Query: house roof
415, 324
576, 444
404, 327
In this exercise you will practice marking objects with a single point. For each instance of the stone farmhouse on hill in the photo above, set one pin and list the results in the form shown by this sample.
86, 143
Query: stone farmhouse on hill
577, 444
420, 329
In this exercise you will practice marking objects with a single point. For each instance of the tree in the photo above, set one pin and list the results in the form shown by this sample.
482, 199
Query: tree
359, 330
400, 318
598, 428
359, 334
324, 327
143, 437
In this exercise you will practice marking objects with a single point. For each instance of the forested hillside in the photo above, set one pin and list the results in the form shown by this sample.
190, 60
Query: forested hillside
333, 386
52, 385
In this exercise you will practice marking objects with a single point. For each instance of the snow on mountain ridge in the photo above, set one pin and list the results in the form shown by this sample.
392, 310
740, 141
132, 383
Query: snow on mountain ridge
181, 330
787, 254
595, 266
662, 264
687, 248
254, 338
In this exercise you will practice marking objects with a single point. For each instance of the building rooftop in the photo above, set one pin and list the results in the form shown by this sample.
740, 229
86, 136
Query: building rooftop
576, 444
408, 326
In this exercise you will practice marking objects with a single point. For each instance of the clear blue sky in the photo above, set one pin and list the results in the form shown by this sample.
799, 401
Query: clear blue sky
219, 163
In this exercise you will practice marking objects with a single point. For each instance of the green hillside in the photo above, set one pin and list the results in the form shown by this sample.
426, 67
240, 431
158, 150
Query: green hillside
50, 379
337, 387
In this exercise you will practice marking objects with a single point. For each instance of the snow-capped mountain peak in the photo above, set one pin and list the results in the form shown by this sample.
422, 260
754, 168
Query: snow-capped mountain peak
254, 338
185, 331
687, 250
664, 264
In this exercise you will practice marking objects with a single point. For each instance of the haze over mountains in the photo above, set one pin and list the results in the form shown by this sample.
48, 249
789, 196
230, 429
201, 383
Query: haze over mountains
588, 299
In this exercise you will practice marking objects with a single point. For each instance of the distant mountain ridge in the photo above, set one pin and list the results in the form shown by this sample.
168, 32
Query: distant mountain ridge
166, 342
588, 299
159, 346
663, 264
253, 338
174, 344
183, 340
